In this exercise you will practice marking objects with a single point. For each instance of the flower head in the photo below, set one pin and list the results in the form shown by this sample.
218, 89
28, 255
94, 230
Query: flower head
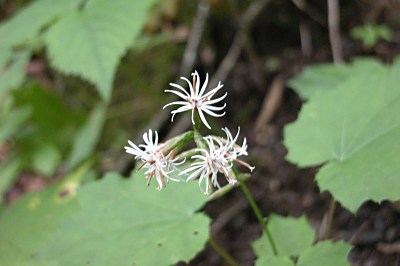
197, 99
218, 158
154, 160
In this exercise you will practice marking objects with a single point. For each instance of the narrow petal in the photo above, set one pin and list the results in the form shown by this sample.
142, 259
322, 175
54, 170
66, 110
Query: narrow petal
177, 102
178, 94
204, 119
213, 91
180, 88
192, 94
217, 100
203, 88
214, 108
212, 113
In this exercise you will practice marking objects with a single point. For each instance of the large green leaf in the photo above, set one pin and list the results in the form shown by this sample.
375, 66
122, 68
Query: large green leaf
26, 226
325, 77
88, 136
8, 174
325, 253
11, 122
354, 129
12, 69
121, 222
294, 238
27, 24
90, 42
42, 137
274, 261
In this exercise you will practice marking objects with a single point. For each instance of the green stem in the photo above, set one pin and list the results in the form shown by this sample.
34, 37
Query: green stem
178, 142
228, 258
332, 208
257, 212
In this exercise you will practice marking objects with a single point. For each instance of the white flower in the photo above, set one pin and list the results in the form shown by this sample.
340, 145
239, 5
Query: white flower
232, 151
209, 163
196, 99
218, 158
154, 160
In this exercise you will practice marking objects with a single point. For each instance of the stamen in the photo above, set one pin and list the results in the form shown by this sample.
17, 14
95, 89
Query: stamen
141, 166
245, 164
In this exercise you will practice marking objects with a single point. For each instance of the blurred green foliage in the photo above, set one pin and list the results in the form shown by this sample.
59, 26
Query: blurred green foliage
370, 34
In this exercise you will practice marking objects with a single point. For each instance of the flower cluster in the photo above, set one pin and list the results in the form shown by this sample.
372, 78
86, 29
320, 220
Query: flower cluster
213, 156
153, 159
218, 158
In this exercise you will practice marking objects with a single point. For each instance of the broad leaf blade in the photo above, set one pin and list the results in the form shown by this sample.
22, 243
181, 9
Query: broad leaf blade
326, 253
90, 42
121, 222
326, 77
274, 261
355, 129
291, 236
294, 238
26, 226
12, 69
27, 24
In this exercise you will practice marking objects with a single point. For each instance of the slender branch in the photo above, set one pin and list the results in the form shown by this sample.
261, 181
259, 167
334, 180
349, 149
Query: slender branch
228, 258
305, 38
258, 214
257, 70
189, 56
334, 31
311, 12
239, 41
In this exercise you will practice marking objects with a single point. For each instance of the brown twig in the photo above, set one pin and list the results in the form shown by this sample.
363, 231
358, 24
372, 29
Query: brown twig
189, 56
305, 38
334, 31
311, 12
271, 102
239, 41
256, 68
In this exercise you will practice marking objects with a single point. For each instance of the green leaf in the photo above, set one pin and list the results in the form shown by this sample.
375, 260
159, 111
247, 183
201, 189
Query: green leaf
46, 159
274, 261
51, 121
325, 253
121, 222
27, 225
12, 69
325, 77
292, 236
8, 174
371, 34
42, 127
294, 241
353, 129
88, 136
12, 121
27, 24
90, 42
